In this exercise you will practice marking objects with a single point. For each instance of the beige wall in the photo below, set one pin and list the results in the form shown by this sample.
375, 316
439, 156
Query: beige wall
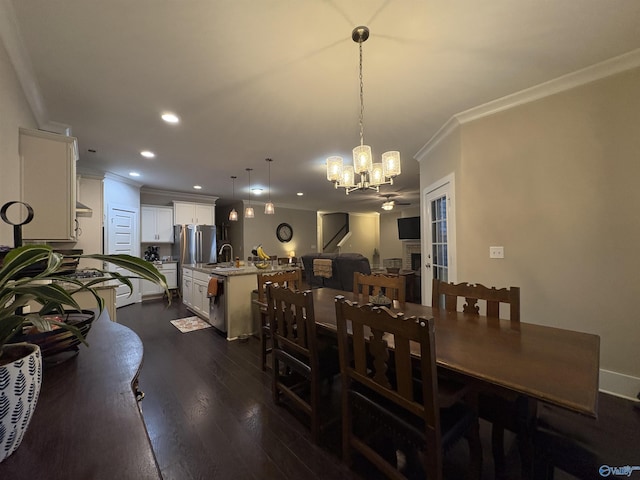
390, 244
555, 182
365, 234
14, 113
262, 229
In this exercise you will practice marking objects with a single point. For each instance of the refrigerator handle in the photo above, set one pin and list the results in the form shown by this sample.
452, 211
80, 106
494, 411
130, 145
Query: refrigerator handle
198, 246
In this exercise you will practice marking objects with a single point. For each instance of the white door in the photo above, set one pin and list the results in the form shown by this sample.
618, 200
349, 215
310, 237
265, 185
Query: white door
122, 234
438, 247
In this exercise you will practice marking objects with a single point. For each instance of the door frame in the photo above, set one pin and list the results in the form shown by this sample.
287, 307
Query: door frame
136, 295
444, 186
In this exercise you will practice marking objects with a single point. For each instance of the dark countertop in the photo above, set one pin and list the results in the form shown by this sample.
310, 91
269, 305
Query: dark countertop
87, 423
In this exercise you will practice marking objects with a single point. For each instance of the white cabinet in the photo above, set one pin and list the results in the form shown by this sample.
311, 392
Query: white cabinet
200, 299
48, 163
193, 213
195, 286
187, 287
156, 224
170, 271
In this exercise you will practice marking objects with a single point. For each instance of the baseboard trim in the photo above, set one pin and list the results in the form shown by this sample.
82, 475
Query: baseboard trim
619, 384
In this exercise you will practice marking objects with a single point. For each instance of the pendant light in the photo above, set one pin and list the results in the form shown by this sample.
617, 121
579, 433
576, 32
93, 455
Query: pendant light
248, 212
233, 214
269, 209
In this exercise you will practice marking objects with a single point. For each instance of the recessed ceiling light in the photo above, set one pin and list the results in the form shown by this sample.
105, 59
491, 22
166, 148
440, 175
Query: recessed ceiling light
170, 117
147, 154
197, 187
300, 194
134, 174
256, 191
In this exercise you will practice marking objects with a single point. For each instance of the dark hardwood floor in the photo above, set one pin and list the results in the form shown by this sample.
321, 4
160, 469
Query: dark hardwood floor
210, 415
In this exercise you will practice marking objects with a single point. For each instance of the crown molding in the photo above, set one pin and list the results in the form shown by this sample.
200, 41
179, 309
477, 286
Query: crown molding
445, 130
189, 195
119, 178
607, 68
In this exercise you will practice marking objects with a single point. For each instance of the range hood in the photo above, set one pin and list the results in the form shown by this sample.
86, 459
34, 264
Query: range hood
82, 210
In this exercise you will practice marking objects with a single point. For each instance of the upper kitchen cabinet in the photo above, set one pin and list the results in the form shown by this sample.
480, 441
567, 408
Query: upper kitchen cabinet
48, 176
193, 213
157, 224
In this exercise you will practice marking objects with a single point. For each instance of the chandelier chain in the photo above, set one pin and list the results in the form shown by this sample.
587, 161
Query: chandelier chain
361, 96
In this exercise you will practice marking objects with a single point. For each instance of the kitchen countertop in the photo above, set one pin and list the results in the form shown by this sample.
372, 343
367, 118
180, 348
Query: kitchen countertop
226, 271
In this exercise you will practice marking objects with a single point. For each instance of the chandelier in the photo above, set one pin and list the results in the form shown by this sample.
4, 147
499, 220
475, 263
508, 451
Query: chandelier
371, 175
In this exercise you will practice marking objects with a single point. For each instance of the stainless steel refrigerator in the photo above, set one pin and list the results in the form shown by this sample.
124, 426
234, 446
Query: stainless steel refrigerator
195, 244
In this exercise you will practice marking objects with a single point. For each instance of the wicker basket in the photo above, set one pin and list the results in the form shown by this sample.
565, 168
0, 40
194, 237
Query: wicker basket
59, 340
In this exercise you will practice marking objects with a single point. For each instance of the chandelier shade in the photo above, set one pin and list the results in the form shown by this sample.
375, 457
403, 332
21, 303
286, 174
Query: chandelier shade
371, 174
334, 169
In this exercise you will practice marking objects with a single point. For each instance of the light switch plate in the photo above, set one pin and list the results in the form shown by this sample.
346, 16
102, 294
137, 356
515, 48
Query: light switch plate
496, 252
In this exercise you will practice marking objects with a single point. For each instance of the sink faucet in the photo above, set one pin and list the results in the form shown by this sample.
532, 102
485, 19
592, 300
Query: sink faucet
230, 251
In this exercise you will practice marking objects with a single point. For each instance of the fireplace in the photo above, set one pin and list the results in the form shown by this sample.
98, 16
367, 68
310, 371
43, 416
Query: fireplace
416, 261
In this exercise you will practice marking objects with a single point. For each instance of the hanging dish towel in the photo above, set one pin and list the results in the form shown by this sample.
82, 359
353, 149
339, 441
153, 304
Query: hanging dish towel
322, 267
212, 289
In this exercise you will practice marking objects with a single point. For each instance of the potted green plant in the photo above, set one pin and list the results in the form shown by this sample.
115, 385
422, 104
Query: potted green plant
32, 274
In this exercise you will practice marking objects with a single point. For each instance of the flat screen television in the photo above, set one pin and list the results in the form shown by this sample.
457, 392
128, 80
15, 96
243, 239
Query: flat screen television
409, 228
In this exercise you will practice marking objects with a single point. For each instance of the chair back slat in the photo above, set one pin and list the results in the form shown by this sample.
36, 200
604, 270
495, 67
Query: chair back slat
392, 286
291, 279
472, 293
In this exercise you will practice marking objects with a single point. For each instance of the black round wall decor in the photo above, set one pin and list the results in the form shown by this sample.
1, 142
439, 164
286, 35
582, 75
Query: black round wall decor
284, 232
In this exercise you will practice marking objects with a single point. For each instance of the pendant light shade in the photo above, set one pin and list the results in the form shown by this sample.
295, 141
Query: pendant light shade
269, 209
248, 212
233, 214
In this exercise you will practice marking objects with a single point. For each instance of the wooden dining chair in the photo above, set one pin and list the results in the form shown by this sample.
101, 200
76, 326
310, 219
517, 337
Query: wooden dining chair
291, 279
300, 360
502, 409
392, 286
446, 295
390, 401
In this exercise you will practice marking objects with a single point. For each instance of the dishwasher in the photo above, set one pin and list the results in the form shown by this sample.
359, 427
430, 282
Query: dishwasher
217, 306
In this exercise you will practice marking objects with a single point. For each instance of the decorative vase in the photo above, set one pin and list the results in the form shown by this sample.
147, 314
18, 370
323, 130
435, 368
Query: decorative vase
20, 381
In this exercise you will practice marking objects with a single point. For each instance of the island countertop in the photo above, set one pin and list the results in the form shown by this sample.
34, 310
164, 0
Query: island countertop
227, 271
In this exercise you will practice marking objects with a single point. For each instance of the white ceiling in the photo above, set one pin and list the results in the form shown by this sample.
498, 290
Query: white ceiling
253, 79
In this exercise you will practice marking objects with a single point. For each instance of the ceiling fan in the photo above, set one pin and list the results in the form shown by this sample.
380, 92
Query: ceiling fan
388, 204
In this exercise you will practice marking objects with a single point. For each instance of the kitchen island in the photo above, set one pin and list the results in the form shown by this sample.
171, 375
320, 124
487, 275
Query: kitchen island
230, 310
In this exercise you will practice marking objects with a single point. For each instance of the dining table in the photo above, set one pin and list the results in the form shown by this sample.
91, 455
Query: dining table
544, 363
503, 357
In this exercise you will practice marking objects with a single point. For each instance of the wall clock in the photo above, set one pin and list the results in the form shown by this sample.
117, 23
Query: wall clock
284, 232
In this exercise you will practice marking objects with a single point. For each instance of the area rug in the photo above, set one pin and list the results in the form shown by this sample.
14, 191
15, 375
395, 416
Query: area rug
190, 324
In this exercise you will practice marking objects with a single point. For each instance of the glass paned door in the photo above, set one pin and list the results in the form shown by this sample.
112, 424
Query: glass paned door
439, 244
439, 254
